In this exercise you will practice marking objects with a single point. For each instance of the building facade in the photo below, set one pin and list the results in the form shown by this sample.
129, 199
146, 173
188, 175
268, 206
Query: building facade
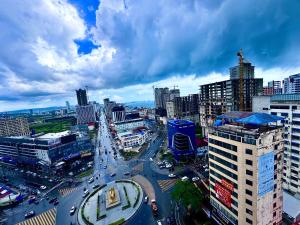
118, 113
44, 150
133, 139
181, 138
245, 172
170, 109
161, 96
129, 124
291, 84
81, 97
85, 114
248, 71
14, 127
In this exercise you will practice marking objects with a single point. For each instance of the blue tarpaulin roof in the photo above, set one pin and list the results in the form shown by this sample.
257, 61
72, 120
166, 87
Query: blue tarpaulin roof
250, 117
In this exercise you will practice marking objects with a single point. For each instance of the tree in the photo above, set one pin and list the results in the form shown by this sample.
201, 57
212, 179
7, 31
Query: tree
186, 193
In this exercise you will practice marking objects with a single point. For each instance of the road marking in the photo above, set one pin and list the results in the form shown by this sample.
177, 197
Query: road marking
66, 191
46, 218
166, 184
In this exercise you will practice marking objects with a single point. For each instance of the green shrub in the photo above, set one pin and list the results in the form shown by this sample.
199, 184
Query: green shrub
118, 222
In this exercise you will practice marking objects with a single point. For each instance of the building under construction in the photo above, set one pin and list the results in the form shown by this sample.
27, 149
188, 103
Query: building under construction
229, 95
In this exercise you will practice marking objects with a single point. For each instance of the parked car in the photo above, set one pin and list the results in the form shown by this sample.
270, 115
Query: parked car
56, 202
73, 209
95, 186
113, 174
43, 187
168, 165
29, 214
91, 180
185, 178
31, 200
171, 175
126, 173
86, 193
53, 200
194, 179
154, 207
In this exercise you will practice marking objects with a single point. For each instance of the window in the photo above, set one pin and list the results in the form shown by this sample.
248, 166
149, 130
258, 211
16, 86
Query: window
279, 107
249, 182
274, 214
294, 107
248, 162
223, 153
248, 221
275, 195
223, 144
248, 202
274, 113
249, 151
249, 212
248, 192
249, 172
274, 205
284, 114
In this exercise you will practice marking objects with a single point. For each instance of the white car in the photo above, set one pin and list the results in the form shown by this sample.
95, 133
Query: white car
86, 192
73, 209
168, 165
194, 179
91, 180
185, 178
171, 175
151, 159
43, 187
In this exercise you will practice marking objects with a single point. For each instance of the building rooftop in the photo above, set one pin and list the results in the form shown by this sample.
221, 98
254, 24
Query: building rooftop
291, 205
180, 122
54, 135
285, 97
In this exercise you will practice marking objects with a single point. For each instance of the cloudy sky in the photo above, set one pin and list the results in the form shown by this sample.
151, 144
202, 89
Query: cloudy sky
121, 48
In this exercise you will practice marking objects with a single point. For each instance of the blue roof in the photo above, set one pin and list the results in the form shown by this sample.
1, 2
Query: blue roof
250, 117
180, 122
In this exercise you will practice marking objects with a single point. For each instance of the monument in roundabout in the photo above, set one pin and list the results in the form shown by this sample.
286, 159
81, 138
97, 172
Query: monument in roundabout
114, 202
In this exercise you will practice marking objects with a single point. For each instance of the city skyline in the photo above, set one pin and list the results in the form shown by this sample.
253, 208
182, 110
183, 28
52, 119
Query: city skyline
120, 52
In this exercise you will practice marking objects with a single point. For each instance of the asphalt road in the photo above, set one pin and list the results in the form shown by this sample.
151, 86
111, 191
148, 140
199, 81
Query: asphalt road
104, 166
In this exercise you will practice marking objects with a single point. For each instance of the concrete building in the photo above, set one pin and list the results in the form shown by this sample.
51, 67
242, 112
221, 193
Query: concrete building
131, 124
162, 96
288, 106
81, 97
133, 139
170, 109
261, 103
118, 113
291, 209
245, 169
14, 127
248, 71
68, 106
85, 114
43, 150
273, 88
181, 138
291, 84
174, 93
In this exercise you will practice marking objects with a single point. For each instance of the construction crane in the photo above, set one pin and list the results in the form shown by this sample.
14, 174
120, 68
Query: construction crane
241, 81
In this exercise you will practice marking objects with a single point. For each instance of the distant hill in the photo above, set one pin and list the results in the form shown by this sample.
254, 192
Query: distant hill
35, 110
139, 104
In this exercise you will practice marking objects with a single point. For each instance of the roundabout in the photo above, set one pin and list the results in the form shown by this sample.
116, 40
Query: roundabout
111, 204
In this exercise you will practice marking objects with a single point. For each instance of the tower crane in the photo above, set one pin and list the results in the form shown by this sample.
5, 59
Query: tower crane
241, 80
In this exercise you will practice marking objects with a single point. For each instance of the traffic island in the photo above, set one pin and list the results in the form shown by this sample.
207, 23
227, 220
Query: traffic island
110, 204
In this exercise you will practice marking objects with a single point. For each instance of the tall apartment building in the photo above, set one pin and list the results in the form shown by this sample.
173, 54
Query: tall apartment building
245, 163
118, 113
81, 97
291, 84
14, 127
248, 71
174, 93
288, 106
162, 95
273, 88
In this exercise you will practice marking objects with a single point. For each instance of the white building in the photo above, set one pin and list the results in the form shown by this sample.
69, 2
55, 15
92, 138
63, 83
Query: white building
261, 103
131, 139
129, 124
170, 109
291, 84
118, 113
85, 114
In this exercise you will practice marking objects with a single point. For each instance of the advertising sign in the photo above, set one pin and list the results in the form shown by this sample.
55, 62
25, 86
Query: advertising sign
227, 184
223, 194
265, 173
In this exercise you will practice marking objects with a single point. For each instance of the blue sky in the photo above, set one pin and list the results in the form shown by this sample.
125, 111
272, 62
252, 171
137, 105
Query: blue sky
120, 49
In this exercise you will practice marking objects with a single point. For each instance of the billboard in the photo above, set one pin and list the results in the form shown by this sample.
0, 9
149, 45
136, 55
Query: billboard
223, 194
227, 184
265, 173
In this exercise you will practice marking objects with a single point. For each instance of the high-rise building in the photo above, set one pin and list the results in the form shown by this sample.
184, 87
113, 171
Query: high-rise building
170, 107
273, 88
118, 113
174, 93
245, 169
85, 114
288, 106
14, 127
162, 95
81, 97
291, 84
68, 106
181, 138
248, 71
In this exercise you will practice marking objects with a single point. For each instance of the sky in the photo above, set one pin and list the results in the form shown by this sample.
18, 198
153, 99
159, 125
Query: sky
122, 48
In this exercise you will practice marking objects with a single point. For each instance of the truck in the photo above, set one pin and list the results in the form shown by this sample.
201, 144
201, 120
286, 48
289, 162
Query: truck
154, 207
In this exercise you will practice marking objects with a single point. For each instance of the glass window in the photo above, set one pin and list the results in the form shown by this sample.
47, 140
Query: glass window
248, 162
249, 151
249, 172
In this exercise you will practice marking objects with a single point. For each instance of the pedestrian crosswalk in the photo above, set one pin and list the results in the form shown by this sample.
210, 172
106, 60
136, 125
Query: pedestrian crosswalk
66, 191
46, 218
165, 185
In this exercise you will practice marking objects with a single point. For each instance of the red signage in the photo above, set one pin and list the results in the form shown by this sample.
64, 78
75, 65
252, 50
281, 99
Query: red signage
223, 194
227, 184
